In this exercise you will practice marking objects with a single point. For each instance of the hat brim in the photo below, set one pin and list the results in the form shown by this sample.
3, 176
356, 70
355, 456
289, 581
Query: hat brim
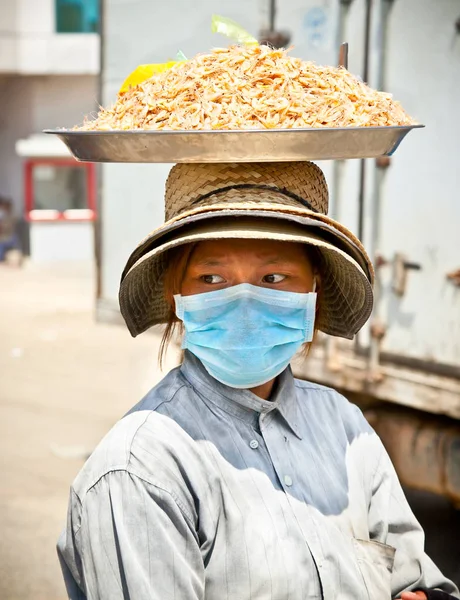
271, 208
346, 272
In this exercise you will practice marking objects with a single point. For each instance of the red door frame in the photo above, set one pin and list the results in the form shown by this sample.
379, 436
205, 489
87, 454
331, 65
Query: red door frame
59, 162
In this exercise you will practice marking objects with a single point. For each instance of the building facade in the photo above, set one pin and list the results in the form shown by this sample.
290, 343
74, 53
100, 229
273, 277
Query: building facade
49, 67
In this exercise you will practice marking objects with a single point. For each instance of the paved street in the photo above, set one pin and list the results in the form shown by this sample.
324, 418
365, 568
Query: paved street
64, 381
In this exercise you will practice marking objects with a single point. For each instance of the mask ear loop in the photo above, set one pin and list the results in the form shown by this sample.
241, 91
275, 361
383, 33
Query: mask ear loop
309, 344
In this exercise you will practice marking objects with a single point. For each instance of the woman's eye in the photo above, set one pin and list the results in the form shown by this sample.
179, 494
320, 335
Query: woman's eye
273, 278
212, 279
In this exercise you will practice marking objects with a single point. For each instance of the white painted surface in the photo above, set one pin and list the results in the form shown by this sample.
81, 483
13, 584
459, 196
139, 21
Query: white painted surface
34, 16
132, 206
421, 216
63, 101
61, 241
29, 44
42, 145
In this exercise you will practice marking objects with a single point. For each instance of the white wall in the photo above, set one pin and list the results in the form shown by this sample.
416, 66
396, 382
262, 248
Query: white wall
132, 206
63, 101
8, 16
53, 242
30, 45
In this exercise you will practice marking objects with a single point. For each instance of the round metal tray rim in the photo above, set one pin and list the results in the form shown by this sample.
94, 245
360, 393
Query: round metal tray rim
78, 132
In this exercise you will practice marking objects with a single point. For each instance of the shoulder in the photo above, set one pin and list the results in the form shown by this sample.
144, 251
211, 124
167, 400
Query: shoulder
328, 404
140, 442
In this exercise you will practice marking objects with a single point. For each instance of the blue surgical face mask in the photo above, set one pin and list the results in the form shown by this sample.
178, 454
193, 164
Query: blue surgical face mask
246, 335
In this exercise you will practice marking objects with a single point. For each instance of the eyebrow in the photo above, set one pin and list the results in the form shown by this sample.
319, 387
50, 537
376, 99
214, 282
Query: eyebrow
210, 262
215, 262
276, 261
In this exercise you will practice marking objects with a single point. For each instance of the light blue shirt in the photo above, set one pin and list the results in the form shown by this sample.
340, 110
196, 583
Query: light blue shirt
205, 492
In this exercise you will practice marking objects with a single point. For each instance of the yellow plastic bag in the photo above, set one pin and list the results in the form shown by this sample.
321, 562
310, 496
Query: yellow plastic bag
232, 30
144, 72
219, 24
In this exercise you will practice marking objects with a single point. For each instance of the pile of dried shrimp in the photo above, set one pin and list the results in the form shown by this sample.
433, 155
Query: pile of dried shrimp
249, 88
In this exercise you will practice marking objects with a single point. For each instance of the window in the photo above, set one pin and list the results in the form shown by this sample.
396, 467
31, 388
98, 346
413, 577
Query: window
60, 190
77, 16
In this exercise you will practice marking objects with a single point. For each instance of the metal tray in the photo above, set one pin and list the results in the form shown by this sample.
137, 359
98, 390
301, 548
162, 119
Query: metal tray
252, 145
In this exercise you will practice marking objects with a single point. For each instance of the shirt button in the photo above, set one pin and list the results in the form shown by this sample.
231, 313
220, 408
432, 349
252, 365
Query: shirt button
287, 480
254, 444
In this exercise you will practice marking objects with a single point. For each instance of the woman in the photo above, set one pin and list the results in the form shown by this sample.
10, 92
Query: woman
231, 479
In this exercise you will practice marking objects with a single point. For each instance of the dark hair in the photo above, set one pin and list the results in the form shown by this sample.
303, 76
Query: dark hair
177, 260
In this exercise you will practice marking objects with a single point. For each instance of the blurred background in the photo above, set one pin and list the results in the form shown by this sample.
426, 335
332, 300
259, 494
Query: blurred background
69, 371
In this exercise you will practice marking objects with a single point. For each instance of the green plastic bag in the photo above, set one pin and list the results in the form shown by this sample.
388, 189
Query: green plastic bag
232, 30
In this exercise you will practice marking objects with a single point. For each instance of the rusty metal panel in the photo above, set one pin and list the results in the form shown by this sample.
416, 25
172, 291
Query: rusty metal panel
341, 368
425, 453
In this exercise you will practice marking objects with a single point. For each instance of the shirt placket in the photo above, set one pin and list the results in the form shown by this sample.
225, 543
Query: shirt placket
274, 439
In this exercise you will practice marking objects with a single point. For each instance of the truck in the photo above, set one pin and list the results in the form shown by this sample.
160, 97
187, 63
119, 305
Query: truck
403, 368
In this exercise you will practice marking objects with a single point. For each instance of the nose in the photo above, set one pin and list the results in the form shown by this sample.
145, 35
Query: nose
243, 273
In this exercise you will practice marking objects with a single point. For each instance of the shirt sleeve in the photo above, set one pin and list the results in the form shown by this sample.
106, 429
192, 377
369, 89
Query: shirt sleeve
392, 522
130, 539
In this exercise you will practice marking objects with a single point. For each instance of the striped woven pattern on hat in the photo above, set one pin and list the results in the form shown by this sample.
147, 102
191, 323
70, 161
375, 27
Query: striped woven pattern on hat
346, 295
299, 184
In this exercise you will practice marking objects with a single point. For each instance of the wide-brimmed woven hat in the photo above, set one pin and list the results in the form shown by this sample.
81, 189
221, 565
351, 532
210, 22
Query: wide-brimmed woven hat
278, 201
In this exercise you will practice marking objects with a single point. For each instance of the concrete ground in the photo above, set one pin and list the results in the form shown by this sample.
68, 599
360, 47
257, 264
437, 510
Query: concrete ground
64, 381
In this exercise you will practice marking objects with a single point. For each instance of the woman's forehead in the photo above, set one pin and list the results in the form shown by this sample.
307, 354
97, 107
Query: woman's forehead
267, 250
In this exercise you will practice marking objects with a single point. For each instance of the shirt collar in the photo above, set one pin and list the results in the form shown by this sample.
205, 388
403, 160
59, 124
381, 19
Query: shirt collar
243, 403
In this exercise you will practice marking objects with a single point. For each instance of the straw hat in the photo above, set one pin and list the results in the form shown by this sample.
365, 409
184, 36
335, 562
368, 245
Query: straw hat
279, 201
